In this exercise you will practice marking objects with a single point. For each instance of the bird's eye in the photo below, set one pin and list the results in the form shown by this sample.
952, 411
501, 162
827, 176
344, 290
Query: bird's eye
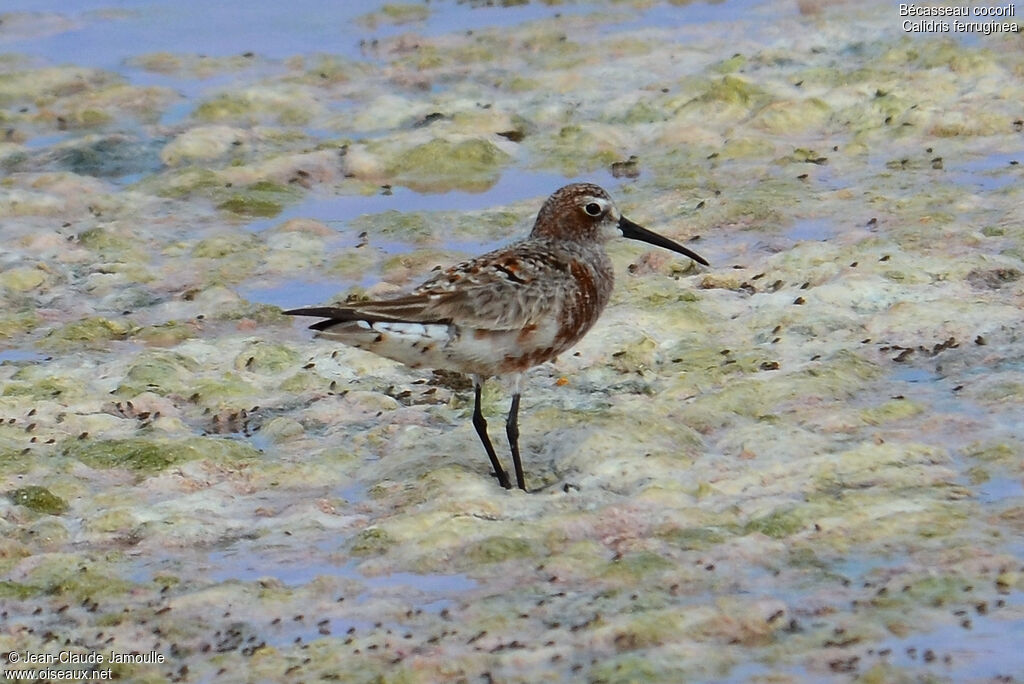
593, 209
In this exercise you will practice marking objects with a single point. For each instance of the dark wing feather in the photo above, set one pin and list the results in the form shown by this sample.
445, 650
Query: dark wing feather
407, 309
503, 290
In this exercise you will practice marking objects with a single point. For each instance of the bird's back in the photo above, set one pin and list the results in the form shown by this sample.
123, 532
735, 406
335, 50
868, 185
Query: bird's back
501, 312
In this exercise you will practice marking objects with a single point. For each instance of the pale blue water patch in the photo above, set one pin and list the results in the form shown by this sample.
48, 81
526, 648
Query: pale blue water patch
291, 294
925, 384
1000, 490
41, 141
192, 86
272, 29
257, 440
811, 229
249, 565
914, 375
514, 185
860, 568
434, 583
277, 30
21, 356
247, 561
669, 15
992, 172
353, 493
177, 113
990, 648
457, 16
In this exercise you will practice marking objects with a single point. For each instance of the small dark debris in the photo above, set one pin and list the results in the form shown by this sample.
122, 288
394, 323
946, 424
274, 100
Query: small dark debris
515, 135
903, 355
429, 119
992, 279
629, 168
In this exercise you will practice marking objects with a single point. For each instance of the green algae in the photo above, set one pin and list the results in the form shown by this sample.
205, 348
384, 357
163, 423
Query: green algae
934, 591
892, 410
220, 246
71, 575
728, 66
301, 382
107, 242
497, 549
118, 520
264, 357
183, 65
395, 13
146, 455
291, 106
693, 538
327, 70
790, 116
17, 590
756, 396
229, 390
94, 331
575, 149
46, 84
372, 541
263, 198
995, 453
41, 382
282, 429
38, 499
264, 314
22, 278
745, 147
167, 334
15, 461
205, 144
631, 667
164, 372
354, 263
407, 226
633, 567
732, 94
183, 183
784, 522
442, 165
95, 107
16, 324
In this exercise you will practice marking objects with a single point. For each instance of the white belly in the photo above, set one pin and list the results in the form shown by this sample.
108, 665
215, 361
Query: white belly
449, 347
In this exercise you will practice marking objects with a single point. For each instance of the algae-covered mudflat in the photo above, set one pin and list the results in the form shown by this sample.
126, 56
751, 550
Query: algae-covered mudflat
803, 464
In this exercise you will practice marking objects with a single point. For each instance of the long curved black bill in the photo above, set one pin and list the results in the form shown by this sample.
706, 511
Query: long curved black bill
635, 232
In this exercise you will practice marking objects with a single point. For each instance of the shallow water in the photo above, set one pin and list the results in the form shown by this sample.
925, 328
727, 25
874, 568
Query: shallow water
300, 27
763, 477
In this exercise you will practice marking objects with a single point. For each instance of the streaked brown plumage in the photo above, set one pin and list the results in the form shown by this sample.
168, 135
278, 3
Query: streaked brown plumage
505, 311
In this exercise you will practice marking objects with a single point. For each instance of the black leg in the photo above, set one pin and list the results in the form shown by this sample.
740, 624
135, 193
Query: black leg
512, 430
481, 429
